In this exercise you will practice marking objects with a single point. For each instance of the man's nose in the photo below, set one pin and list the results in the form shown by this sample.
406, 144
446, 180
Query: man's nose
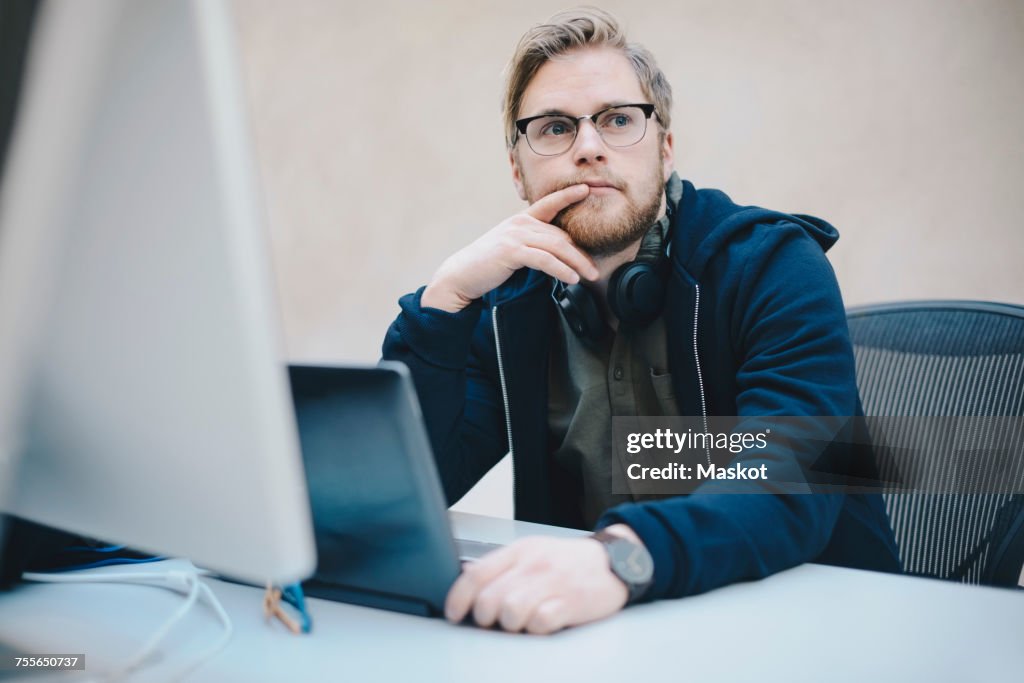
589, 146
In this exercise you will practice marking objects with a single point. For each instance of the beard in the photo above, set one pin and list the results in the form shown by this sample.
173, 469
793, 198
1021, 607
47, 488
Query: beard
602, 225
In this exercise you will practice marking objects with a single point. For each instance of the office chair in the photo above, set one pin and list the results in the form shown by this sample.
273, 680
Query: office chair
948, 358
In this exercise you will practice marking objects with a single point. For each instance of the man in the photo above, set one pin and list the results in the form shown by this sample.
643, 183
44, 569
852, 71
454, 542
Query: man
747, 320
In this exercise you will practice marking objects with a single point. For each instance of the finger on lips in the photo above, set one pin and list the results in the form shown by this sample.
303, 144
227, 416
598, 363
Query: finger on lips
548, 206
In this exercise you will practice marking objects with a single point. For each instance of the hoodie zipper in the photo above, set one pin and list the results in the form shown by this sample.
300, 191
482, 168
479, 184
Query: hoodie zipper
696, 359
504, 398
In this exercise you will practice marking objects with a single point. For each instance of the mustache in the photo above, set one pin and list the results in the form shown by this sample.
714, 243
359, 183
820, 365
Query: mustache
581, 179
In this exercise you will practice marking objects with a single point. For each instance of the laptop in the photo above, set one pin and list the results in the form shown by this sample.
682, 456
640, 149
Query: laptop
380, 519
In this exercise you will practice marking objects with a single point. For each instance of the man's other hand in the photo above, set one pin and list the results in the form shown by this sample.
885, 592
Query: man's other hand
539, 584
526, 239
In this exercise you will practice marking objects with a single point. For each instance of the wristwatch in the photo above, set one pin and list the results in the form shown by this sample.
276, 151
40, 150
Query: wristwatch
629, 561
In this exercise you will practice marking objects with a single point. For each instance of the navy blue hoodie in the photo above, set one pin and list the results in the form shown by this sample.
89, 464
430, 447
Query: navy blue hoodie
755, 326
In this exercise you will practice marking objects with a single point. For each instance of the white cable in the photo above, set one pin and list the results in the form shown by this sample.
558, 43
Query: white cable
161, 633
175, 579
219, 645
187, 582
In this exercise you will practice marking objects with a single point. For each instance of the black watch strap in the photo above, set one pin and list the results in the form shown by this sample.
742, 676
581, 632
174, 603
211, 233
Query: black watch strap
629, 561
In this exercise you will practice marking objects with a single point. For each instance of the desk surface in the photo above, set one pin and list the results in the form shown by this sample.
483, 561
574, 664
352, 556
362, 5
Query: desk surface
810, 623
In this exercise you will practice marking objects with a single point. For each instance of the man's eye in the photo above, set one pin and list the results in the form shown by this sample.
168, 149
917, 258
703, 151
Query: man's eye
556, 128
617, 121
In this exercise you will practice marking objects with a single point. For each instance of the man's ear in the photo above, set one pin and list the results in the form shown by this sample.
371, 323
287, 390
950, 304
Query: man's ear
517, 176
668, 159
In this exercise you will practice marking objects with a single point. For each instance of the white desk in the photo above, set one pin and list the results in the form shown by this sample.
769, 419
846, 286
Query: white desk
811, 623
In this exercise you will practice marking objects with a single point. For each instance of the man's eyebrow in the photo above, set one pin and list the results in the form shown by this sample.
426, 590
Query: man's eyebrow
560, 112
614, 103
549, 112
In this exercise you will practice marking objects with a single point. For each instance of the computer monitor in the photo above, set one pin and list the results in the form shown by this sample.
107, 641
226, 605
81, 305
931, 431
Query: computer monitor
156, 401
16, 311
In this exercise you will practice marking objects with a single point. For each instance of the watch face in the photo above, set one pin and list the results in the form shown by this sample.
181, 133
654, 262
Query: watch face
631, 562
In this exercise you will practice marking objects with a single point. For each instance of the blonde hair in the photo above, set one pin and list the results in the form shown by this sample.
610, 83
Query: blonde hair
571, 30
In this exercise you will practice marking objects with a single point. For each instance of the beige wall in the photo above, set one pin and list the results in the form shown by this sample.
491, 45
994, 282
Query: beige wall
380, 144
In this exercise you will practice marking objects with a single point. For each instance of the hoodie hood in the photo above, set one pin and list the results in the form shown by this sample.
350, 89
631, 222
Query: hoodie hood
707, 220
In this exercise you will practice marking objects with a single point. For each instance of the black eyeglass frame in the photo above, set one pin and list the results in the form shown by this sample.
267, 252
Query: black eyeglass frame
521, 124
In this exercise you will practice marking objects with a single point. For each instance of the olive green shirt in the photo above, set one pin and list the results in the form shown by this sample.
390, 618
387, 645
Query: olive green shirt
625, 374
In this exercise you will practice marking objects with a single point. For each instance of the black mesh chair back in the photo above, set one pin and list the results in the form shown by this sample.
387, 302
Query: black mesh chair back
948, 358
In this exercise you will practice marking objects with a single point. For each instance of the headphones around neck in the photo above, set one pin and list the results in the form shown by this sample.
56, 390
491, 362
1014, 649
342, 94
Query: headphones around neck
636, 291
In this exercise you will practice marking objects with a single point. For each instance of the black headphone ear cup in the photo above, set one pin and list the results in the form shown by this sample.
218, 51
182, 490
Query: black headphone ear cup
580, 310
636, 293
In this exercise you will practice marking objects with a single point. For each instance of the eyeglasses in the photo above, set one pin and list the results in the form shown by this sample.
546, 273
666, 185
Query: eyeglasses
620, 126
